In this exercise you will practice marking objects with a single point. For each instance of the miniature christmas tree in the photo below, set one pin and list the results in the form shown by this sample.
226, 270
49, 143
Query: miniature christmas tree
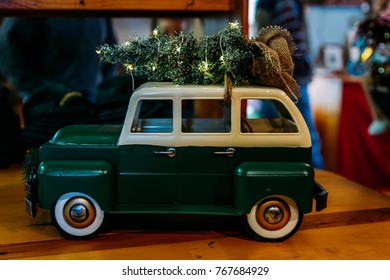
228, 57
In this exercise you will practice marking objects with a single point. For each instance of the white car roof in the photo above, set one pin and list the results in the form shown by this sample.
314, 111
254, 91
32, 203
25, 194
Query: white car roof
234, 138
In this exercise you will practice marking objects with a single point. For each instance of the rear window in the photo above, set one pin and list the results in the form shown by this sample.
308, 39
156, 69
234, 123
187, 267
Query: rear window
266, 116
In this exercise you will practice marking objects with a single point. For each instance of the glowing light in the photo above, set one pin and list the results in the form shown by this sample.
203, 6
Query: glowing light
129, 67
204, 67
233, 25
366, 54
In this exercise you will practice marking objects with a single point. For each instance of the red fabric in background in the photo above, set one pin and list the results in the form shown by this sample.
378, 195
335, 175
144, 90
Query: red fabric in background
361, 157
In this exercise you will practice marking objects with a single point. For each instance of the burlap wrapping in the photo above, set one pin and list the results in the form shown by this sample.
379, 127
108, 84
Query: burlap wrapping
274, 66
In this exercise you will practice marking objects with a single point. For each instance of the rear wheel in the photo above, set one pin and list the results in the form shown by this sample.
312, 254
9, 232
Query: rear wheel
77, 216
274, 218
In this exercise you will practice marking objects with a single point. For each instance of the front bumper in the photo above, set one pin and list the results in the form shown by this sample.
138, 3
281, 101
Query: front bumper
31, 198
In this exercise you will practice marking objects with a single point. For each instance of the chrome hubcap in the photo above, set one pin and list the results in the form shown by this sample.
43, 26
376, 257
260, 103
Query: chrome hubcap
273, 214
78, 213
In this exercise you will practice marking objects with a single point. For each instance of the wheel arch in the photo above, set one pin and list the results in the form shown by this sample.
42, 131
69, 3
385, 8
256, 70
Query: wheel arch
93, 178
257, 180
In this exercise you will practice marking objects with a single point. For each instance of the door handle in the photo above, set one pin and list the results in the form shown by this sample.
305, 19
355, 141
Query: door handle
229, 152
171, 152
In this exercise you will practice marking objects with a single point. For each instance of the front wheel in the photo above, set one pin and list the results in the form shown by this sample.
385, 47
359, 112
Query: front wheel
274, 218
77, 216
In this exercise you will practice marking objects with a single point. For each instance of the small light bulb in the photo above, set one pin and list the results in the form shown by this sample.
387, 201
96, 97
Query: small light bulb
233, 25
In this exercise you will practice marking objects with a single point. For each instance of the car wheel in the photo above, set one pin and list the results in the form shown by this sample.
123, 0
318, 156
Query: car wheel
274, 218
77, 216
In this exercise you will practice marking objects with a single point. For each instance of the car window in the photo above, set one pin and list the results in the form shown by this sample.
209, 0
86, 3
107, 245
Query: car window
205, 116
266, 116
153, 116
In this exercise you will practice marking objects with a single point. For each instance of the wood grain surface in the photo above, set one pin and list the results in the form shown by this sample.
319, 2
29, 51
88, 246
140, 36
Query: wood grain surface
356, 225
231, 9
157, 5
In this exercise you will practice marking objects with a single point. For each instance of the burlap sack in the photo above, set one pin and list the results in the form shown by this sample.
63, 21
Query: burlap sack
274, 65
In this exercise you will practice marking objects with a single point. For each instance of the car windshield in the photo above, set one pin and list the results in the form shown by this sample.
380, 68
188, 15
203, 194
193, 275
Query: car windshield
153, 116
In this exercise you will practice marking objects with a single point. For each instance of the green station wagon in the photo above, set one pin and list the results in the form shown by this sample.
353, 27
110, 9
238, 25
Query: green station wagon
183, 150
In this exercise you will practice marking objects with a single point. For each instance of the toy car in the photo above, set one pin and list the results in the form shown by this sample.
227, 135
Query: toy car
173, 156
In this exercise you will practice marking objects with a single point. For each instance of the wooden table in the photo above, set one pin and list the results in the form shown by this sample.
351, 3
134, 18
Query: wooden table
356, 225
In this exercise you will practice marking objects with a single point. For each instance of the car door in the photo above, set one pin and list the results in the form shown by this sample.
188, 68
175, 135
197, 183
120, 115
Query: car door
147, 171
205, 169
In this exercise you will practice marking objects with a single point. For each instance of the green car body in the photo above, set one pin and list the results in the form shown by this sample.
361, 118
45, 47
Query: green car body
168, 157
